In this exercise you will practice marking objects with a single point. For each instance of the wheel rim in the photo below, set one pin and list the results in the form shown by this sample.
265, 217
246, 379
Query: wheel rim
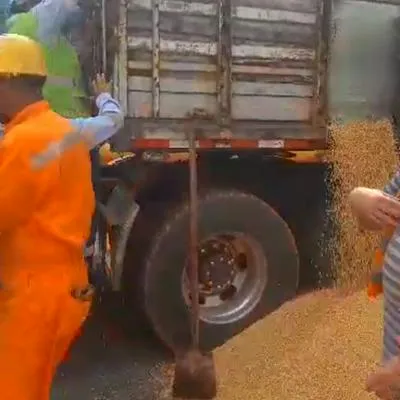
232, 277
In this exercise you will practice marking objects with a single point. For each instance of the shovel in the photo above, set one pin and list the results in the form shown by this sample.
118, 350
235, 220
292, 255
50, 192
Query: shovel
194, 370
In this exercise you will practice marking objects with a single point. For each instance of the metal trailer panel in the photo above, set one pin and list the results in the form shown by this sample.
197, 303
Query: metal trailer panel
363, 64
258, 68
254, 66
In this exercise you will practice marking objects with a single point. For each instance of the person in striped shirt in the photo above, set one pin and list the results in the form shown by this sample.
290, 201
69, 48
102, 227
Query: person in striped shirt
380, 210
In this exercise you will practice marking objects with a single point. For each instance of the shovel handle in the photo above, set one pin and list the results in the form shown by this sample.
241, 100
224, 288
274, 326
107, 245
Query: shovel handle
193, 236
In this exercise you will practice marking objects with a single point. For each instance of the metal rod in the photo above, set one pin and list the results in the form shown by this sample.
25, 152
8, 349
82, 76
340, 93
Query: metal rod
156, 59
104, 36
123, 57
220, 62
193, 247
224, 60
317, 70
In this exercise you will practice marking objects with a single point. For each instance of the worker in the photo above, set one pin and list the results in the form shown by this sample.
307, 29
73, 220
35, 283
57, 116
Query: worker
46, 22
44, 223
19, 6
380, 211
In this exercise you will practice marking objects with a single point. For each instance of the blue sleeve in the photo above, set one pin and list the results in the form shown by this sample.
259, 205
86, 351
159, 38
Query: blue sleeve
51, 16
101, 128
393, 187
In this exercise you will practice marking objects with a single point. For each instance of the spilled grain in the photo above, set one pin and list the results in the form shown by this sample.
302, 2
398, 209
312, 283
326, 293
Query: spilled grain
320, 346
362, 154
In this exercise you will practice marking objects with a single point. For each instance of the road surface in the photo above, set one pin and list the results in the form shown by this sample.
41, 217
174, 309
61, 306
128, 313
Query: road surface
107, 364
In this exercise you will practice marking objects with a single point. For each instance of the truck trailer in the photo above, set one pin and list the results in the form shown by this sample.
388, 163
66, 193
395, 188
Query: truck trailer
253, 80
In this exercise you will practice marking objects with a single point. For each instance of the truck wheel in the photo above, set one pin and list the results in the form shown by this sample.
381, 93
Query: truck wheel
248, 266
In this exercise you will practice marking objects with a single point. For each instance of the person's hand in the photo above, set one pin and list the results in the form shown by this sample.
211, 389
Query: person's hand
374, 208
385, 382
101, 85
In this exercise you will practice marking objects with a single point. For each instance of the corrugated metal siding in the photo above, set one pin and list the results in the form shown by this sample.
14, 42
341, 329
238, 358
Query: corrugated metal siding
187, 69
280, 38
273, 46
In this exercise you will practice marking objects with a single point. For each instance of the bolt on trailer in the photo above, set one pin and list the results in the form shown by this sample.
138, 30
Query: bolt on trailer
255, 78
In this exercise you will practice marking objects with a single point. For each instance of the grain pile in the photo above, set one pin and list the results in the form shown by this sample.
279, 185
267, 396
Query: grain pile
320, 346
363, 154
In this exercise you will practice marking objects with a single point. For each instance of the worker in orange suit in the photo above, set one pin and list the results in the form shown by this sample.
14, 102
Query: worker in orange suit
45, 218
375, 284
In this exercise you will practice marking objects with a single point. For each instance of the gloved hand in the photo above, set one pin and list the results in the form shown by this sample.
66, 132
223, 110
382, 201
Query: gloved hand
101, 85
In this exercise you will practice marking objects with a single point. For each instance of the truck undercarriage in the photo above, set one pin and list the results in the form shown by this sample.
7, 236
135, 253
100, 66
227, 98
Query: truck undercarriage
264, 216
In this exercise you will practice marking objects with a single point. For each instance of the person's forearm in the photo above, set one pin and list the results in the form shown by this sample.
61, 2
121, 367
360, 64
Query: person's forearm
93, 131
107, 123
110, 117
51, 16
355, 200
108, 106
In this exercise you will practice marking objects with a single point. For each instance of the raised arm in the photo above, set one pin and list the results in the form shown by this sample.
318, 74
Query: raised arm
107, 123
49, 18
110, 118
94, 130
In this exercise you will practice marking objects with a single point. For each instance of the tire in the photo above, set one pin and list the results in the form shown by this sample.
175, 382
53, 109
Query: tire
220, 211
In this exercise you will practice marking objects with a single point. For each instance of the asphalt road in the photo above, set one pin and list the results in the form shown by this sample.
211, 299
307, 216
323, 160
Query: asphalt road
108, 363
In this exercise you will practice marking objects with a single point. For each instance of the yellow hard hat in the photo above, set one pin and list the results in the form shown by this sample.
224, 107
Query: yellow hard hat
20, 55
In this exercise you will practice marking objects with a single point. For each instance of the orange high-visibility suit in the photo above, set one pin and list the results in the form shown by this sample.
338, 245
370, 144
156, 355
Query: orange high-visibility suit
375, 284
45, 218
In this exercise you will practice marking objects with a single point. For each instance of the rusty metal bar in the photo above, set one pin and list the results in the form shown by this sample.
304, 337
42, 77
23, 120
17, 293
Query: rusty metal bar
326, 33
104, 36
315, 107
123, 56
224, 57
193, 233
220, 81
156, 58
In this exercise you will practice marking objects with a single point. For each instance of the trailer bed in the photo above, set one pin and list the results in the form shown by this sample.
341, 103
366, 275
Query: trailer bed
256, 68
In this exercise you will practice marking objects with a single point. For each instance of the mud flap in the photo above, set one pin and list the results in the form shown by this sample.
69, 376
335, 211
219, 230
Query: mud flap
120, 246
118, 207
115, 213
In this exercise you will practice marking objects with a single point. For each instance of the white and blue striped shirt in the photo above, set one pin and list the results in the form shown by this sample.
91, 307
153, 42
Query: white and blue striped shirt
391, 283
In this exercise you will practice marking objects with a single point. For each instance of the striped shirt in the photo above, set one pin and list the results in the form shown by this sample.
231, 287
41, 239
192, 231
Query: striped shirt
391, 284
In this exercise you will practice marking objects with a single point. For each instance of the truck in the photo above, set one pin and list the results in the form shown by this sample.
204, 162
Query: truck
253, 80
